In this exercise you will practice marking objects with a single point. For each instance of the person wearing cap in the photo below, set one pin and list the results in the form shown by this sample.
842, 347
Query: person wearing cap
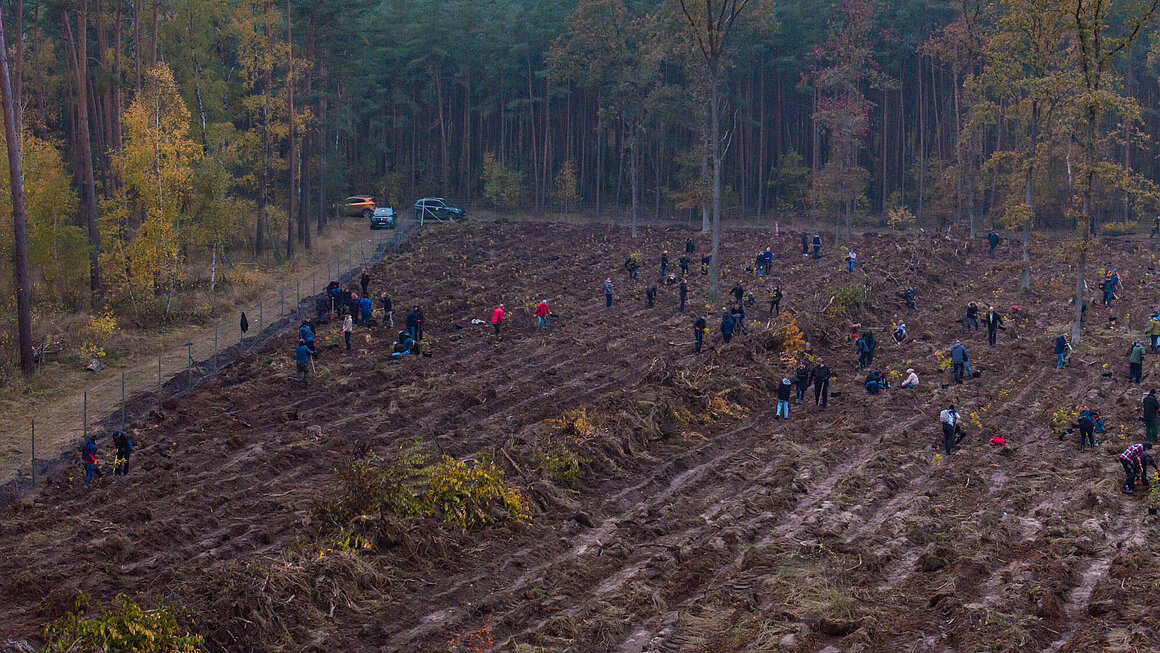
951, 424
783, 390
306, 335
124, 448
911, 380
542, 313
817, 243
497, 318
900, 333
608, 292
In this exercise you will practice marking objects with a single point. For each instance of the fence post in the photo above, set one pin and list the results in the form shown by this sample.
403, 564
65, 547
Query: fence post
122, 400
33, 451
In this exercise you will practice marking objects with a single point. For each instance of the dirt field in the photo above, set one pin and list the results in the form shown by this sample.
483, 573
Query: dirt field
701, 522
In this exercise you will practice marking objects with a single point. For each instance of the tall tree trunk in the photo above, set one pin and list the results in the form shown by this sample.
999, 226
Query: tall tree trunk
706, 139
137, 44
79, 48
815, 163
154, 36
304, 155
635, 180
715, 109
19, 236
18, 69
959, 161
290, 118
1025, 278
323, 148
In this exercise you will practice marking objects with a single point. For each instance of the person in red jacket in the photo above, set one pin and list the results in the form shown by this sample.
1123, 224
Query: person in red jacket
497, 318
542, 313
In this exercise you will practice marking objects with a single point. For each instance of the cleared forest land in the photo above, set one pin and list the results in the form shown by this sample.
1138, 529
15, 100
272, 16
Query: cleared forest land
683, 516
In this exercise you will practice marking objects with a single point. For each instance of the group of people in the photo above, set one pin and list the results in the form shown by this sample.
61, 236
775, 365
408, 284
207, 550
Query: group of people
91, 464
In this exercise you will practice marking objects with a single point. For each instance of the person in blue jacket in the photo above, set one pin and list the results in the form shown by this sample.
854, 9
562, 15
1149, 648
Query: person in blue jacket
89, 459
306, 335
727, 326
302, 355
1060, 351
958, 360
365, 306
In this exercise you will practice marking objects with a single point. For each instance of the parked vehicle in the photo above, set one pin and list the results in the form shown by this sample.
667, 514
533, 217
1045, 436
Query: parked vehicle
383, 218
357, 206
437, 209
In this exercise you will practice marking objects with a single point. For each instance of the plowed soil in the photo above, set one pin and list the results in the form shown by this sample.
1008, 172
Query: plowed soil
701, 522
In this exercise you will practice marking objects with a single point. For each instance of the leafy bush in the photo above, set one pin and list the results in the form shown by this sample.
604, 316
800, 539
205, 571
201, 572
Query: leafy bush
465, 492
370, 487
788, 341
1119, 228
847, 300
563, 465
576, 424
127, 627
1062, 419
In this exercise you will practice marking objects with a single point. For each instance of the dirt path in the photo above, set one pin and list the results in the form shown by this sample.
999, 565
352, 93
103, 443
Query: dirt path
59, 411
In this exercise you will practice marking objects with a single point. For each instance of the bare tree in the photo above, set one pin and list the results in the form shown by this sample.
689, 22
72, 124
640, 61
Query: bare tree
709, 23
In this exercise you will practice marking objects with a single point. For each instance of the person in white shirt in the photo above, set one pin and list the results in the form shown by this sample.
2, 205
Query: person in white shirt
911, 381
951, 424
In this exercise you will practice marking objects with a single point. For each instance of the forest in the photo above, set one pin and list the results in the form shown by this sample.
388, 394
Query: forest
159, 138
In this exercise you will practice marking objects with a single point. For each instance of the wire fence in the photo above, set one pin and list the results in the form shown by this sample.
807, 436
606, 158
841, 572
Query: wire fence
43, 448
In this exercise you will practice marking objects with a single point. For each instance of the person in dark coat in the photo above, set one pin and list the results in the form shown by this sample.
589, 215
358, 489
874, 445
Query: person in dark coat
775, 302
817, 246
422, 325
364, 281
699, 333
993, 240
1087, 428
124, 448
994, 322
684, 263
958, 360
805, 243
1150, 411
650, 294
727, 326
1136, 362
821, 376
664, 263
783, 390
684, 293
388, 314
412, 323
1060, 352
801, 381
306, 335
690, 246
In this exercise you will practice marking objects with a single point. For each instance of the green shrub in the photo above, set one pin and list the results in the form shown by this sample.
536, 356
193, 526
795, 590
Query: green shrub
563, 465
848, 300
465, 493
127, 628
